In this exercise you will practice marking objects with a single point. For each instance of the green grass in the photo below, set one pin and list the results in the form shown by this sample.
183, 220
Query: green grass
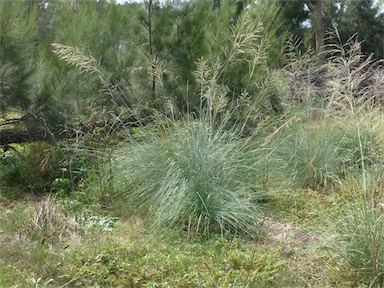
359, 228
132, 254
200, 179
159, 263
320, 155
189, 179
360, 242
129, 255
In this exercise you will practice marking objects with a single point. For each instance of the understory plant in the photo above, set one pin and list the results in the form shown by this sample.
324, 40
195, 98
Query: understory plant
360, 229
195, 177
317, 156
201, 172
313, 156
155, 262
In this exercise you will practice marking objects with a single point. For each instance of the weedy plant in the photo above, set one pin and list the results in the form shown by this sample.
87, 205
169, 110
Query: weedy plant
49, 223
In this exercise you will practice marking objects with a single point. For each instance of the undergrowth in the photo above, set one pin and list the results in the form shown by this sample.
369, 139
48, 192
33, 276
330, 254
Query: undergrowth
319, 156
193, 176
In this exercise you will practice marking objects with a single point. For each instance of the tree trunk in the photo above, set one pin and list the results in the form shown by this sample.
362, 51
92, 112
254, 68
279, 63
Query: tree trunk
150, 8
316, 8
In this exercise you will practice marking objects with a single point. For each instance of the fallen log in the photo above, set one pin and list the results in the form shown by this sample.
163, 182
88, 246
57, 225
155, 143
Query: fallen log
18, 135
14, 131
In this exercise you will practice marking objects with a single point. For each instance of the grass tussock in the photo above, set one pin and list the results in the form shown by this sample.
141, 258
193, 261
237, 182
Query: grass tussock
313, 156
193, 176
321, 155
360, 234
359, 228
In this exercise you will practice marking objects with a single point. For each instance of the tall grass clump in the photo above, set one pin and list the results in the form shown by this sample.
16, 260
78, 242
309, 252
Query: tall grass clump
363, 142
317, 156
360, 228
348, 71
312, 156
359, 231
300, 69
200, 172
193, 176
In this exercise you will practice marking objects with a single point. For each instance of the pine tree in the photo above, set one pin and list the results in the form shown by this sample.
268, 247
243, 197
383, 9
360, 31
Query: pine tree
16, 47
364, 19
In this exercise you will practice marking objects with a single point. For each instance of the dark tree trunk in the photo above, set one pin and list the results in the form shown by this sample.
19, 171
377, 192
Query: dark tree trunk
316, 8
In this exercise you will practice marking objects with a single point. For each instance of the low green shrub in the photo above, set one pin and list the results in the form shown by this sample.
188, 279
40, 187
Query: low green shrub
158, 263
22, 170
